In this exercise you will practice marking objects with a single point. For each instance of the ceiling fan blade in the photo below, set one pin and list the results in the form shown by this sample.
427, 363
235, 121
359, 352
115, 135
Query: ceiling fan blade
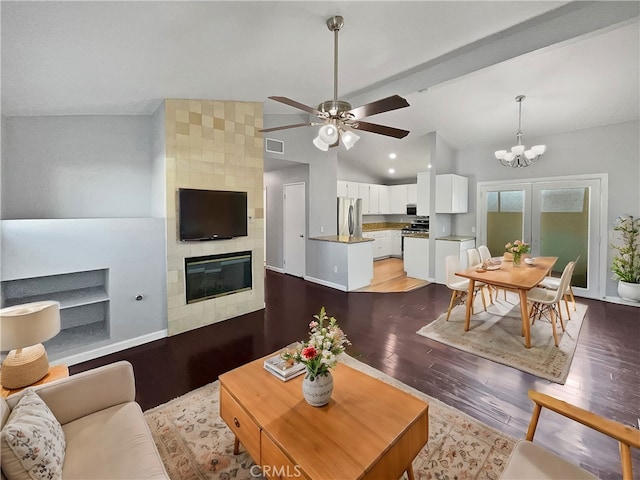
284, 127
384, 105
293, 103
381, 129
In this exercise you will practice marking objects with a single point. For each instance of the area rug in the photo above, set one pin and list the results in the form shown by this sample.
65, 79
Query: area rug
496, 335
195, 443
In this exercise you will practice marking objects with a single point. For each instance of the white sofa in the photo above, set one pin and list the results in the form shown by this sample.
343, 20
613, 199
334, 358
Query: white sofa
104, 428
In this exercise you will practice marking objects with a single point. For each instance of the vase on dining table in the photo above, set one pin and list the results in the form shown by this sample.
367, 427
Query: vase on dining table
517, 260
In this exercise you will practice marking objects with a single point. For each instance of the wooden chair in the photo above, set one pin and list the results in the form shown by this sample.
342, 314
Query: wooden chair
459, 286
534, 462
544, 300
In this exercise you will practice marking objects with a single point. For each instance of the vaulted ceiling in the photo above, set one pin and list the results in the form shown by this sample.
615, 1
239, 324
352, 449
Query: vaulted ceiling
459, 64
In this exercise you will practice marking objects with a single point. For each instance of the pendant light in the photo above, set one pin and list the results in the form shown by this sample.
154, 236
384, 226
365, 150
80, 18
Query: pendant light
518, 157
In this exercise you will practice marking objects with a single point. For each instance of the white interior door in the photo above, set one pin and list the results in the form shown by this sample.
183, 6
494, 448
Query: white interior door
294, 234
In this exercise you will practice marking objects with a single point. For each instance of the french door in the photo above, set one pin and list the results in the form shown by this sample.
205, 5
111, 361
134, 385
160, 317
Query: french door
558, 217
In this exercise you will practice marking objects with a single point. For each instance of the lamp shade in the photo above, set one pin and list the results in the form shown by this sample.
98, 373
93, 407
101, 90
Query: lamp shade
349, 139
320, 144
28, 324
328, 134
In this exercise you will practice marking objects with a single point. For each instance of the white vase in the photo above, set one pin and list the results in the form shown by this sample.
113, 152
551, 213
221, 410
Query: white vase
629, 291
317, 392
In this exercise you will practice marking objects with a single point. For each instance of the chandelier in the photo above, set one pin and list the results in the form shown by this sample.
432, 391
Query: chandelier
518, 157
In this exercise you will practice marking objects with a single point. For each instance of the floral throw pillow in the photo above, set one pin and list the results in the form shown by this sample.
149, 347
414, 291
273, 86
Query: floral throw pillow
32, 441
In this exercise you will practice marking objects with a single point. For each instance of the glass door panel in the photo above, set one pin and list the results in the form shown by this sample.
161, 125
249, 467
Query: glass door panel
505, 216
565, 221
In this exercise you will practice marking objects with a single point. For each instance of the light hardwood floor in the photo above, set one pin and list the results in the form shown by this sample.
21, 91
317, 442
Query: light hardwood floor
389, 276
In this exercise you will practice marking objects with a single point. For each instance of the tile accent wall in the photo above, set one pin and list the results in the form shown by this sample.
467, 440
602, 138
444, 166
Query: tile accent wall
213, 145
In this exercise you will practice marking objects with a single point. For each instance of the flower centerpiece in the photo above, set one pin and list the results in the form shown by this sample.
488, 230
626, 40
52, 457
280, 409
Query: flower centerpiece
517, 249
319, 354
626, 263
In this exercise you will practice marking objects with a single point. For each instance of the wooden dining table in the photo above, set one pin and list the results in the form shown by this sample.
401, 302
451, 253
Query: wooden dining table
522, 279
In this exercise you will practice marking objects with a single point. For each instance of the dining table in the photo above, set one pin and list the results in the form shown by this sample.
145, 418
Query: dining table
505, 275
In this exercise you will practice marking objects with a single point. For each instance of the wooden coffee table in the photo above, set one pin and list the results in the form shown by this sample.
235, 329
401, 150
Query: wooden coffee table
369, 429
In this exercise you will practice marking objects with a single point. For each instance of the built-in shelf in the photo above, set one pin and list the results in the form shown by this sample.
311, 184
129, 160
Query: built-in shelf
84, 305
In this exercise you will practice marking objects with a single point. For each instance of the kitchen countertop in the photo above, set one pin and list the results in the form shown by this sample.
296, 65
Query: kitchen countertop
416, 235
457, 238
342, 239
374, 227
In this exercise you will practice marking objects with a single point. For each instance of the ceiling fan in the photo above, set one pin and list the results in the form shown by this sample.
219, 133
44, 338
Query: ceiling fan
337, 117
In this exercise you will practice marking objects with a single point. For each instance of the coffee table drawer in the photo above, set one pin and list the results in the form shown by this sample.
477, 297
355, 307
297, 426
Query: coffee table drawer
241, 424
275, 464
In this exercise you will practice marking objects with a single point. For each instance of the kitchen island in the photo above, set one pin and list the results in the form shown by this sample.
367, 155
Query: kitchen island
342, 262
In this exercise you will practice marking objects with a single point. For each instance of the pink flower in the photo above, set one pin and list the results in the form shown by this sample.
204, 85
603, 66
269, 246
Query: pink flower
309, 352
313, 324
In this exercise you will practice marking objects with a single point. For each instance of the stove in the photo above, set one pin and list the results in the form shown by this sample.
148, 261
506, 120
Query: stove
416, 227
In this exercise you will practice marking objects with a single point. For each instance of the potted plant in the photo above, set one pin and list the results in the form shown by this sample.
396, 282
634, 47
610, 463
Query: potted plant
626, 263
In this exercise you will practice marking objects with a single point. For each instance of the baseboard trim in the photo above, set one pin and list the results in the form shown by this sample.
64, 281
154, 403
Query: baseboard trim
275, 269
621, 301
108, 349
325, 283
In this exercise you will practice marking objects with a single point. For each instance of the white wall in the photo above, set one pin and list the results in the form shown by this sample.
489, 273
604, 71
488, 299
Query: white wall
612, 149
57, 166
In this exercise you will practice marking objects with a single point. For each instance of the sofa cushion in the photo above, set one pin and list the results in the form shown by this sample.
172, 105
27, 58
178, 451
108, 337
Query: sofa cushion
33, 443
114, 443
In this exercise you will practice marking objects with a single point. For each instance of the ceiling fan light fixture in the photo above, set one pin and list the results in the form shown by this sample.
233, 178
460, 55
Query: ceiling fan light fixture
518, 157
320, 144
349, 139
328, 134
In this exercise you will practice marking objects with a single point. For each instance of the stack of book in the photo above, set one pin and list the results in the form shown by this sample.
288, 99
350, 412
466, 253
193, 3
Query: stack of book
283, 369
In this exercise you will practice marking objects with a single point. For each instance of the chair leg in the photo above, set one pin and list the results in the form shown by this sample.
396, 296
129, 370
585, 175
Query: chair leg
484, 302
566, 304
573, 300
454, 294
559, 316
553, 325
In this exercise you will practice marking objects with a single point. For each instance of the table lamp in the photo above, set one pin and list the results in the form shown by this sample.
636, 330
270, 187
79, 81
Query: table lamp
22, 329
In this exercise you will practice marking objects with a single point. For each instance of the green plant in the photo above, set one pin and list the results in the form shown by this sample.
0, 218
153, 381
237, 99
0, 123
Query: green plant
626, 263
326, 342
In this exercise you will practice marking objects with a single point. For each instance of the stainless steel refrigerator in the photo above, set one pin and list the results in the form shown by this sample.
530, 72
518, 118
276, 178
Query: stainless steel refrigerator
350, 216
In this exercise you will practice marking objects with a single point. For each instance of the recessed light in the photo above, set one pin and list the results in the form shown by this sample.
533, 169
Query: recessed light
392, 156
429, 166
392, 170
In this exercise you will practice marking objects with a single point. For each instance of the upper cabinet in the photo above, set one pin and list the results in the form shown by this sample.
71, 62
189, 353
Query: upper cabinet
452, 194
348, 189
400, 196
424, 193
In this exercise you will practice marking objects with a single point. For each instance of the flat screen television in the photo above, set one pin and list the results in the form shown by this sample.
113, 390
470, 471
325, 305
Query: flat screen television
211, 214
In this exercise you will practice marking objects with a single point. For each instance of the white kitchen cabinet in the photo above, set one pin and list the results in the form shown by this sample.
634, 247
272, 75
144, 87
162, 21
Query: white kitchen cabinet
363, 193
395, 243
452, 193
412, 193
348, 189
383, 199
424, 194
453, 245
399, 197
374, 198
416, 257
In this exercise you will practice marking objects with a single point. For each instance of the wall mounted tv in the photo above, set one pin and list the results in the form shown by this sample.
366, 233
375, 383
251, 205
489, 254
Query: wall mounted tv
211, 214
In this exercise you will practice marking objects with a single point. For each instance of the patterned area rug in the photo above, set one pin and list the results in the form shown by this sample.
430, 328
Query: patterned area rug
195, 443
496, 335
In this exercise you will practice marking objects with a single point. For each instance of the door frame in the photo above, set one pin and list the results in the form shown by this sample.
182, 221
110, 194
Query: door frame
602, 240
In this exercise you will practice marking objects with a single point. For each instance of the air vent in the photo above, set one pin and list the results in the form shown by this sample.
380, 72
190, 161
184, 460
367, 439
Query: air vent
275, 146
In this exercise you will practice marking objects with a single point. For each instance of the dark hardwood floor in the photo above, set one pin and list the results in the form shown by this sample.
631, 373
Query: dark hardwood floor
604, 375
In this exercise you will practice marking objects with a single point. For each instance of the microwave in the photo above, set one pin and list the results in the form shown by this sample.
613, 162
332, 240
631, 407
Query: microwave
412, 209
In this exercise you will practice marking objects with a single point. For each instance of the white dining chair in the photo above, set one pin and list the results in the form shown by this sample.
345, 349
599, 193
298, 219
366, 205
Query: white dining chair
484, 252
546, 301
553, 283
460, 286
473, 257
